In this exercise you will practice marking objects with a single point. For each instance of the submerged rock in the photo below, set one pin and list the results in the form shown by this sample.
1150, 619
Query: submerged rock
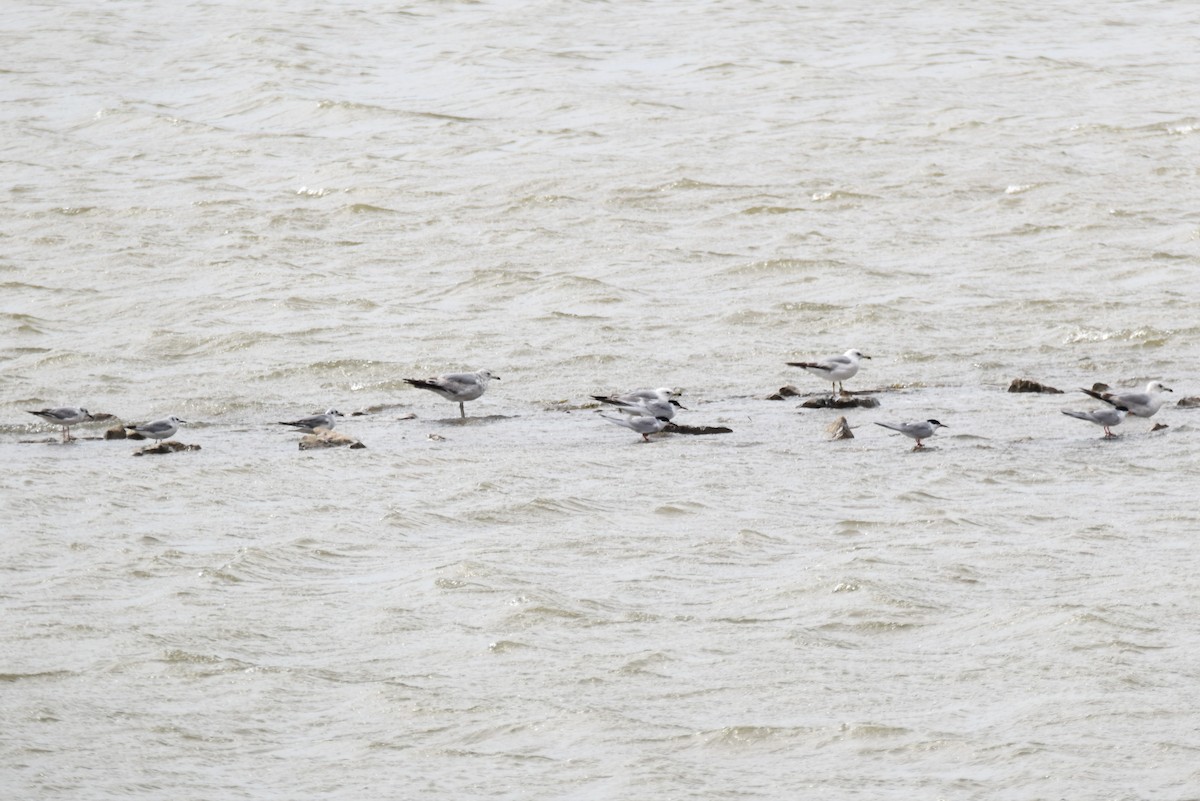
170, 446
329, 439
676, 428
784, 392
840, 429
1025, 385
1190, 402
841, 402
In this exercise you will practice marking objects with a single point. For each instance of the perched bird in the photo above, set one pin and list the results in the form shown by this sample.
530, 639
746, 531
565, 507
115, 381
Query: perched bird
457, 387
642, 424
1139, 404
1103, 417
644, 403
309, 425
923, 429
159, 429
65, 416
834, 369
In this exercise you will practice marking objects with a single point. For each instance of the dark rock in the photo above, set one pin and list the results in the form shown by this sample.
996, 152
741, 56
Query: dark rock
1159, 426
1190, 402
675, 428
170, 446
840, 429
329, 439
784, 392
118, 432
840, 402
1025, 385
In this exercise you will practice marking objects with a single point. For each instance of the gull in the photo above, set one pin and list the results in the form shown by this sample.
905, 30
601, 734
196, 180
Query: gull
1139, 404
457, 387
641, 423
65, 416
923, 429
1103, 417
159, 429
309, 424
644, 403
834, 369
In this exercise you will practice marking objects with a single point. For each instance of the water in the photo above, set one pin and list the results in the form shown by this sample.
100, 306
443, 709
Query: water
243, 214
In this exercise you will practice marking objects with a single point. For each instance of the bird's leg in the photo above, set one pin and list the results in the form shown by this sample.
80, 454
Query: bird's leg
462, 410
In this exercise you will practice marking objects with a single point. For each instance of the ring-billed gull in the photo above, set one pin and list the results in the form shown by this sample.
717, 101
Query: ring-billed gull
309, 425
65, 416
1139, 404
834, 369
456, 387
922, 429
1103, 417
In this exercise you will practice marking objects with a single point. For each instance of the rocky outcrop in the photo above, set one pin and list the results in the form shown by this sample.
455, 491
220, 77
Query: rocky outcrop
169, 446
841, 402
840, 429
325, 438
676, 428
1025, 385
1191, 402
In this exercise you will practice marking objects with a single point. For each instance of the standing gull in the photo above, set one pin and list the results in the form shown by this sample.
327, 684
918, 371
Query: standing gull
309, 425
923, 429
456, 387
1139, 404
1103, 417
834, 369
159, 429
641, 423
65, 416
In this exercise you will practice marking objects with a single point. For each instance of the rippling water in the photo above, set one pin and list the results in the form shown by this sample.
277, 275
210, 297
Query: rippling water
246, 213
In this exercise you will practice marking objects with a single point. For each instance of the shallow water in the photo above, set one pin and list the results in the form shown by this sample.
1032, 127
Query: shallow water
244, 214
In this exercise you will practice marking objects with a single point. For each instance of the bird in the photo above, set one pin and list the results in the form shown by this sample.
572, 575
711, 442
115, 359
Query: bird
638, 395
159, 429
923, 429
1103, 417
644, 403
641, 423
456, 387
1139, 404
834, 369
65, 416
309, 424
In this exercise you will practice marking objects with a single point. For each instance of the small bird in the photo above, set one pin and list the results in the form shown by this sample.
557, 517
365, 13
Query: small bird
309, 425
159, 429
834, 369
642, 424
1103, 417
456, 387
65, 416
923, 429
1139, 404
644, 403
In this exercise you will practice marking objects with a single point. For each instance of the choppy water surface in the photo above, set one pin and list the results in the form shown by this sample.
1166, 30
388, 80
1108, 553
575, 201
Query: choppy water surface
246, 213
